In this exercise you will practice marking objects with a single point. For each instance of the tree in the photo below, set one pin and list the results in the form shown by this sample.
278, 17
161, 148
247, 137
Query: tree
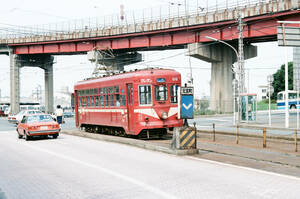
279, 82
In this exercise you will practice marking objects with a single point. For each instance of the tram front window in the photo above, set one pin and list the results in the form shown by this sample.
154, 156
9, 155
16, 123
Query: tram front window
161, 93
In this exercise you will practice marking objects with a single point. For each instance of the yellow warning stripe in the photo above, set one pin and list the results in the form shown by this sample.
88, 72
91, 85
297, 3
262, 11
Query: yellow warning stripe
187, 138
191, 143
182, 134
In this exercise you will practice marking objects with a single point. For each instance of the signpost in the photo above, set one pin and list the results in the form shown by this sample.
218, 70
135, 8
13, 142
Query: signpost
185, 138
187, 104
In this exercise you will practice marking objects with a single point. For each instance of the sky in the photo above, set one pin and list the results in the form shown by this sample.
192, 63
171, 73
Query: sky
70, 69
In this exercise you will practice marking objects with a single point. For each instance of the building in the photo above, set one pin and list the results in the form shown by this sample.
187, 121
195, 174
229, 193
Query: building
262, 93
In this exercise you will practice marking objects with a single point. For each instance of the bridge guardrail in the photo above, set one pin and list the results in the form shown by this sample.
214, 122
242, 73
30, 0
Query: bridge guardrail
146, 16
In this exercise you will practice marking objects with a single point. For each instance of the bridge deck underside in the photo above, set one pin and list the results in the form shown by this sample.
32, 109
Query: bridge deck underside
258, 29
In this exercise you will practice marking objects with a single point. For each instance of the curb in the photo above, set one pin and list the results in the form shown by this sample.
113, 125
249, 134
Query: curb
132, 142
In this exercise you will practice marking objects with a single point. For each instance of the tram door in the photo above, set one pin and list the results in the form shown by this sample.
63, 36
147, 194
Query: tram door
76, 104
130, 112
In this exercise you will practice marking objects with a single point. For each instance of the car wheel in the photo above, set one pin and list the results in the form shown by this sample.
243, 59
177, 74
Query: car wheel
27, 137
20, 136
55, 136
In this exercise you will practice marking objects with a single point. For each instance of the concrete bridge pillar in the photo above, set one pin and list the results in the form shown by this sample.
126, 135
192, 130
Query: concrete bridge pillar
222, 57
15, 65
43, 61
49, 99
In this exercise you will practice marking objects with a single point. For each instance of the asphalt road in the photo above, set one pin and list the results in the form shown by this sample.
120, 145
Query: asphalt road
76, 167
5, 126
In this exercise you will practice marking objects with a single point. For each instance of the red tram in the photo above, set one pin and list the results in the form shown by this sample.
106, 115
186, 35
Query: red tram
143, 102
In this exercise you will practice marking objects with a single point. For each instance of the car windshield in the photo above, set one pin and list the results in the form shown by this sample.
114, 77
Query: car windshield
39, 118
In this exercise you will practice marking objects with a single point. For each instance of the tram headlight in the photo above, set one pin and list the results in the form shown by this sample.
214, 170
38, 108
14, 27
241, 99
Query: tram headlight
164, 115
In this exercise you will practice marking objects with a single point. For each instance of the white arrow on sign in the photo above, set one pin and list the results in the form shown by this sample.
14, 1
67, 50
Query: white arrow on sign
186, 107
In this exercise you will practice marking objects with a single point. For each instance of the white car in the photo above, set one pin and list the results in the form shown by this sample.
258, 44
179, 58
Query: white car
15, 119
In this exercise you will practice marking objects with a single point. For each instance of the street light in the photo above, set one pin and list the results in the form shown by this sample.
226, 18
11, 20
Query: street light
227, 44
238, 82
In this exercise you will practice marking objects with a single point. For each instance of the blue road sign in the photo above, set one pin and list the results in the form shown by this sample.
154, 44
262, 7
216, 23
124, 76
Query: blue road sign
187, 104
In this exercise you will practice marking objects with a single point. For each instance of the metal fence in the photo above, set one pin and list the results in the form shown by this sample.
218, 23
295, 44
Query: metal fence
168, 11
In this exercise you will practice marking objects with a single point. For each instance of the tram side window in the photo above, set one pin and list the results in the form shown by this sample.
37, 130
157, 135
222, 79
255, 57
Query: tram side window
106, 100
88, 102
112, 102
79, 102
173, 93
117, 98
123, 100
161, 93
110, 89
101, 101
83, 101
92, 101
97, 101
145, 96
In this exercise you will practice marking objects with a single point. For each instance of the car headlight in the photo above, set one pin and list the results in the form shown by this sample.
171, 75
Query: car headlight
164, 115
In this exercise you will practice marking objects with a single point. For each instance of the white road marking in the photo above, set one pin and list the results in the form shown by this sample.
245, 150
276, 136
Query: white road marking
107, 171
242, 167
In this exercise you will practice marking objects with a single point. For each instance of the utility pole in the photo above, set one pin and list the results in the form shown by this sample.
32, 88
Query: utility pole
241, 55
241, 72
37, 92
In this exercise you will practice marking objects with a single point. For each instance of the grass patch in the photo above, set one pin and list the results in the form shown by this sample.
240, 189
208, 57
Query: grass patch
262, 105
